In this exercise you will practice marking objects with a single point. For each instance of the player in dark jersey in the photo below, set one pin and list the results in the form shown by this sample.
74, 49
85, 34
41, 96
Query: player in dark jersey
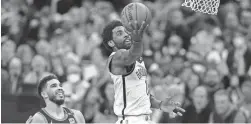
50, 89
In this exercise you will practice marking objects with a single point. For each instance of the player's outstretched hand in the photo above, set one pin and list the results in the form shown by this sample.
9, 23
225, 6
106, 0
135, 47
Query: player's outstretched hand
137, 32
29, 120
172, 107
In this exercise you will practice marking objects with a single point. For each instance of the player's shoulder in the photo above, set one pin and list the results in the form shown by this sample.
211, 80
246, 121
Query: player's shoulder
78, 115
75, 111
39, 118
38, 115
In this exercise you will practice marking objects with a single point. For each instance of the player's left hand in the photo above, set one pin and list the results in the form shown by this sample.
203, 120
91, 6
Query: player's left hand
172, 107
137, 32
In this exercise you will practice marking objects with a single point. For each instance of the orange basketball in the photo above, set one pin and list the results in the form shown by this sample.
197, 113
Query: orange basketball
135, 11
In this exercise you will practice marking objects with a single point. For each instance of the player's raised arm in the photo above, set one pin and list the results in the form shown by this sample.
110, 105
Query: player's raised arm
38, 118
128, 57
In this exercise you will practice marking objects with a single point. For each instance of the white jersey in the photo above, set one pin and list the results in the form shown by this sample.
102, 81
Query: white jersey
131, 91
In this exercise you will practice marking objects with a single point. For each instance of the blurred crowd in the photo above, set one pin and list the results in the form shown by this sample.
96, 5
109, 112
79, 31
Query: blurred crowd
204, 60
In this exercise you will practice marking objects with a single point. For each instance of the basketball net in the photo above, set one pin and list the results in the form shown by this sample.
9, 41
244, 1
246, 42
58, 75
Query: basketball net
204, 6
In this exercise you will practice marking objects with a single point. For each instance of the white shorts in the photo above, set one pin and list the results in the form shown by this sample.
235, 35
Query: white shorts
141, 119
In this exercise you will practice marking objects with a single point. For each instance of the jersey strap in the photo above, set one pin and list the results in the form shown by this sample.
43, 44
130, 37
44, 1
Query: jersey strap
71, 117
46, 117
124, 98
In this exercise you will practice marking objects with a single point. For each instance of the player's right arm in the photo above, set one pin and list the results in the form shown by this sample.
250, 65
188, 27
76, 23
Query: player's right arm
127, 57
38, 118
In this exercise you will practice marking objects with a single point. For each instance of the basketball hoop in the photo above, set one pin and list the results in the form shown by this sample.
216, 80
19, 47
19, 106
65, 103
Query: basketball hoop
204, 6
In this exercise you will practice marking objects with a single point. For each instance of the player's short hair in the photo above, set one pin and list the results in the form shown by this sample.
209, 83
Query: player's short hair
43, 82
107, 32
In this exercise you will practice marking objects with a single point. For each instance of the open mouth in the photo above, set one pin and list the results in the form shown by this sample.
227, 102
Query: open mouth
128, 40
60, 93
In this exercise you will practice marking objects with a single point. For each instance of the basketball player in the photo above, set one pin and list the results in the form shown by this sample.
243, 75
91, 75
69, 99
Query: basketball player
132, 99
51, 91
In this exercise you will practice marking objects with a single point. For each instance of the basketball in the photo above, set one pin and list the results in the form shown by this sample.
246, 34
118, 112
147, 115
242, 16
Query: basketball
135, 12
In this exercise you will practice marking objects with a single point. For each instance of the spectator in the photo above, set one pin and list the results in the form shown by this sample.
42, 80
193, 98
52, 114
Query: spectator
231, 21
8, 48
59, 43
246, 107
5, 82
224, 111
58, 68
105, 10
97, 58
212, 79
185, 74
218, 56
200, 69
15, 76
175, 24
203, 40
213, 59
199, 110
156, 76
238, 60
75, 86
220, 47
174, 45
106, 113
70, 58
177, 64
39, 69
91, 105
90, 71
245, 4
25, 53
156, 45
232, 26
192, 82
245, 19
43, 48
236, 96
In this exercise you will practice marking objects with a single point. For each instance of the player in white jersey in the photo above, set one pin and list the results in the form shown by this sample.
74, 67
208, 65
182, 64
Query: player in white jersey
133, 102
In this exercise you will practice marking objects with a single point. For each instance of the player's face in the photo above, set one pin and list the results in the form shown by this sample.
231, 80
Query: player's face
55, 92
121, 38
